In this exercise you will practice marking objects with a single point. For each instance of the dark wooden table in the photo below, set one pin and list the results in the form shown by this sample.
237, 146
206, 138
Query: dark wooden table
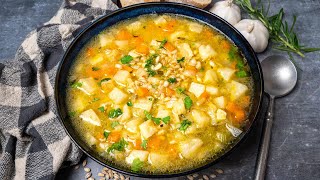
295, 146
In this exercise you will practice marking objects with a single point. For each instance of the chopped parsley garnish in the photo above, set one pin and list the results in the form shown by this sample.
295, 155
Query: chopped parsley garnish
149, 63
129, 103
144, 144
156, 120
95, 99
202, 69
172, 80
76, 84
119, 146
166, 119
151, 72
126, 59
181, 90
101, 109
136, 165
181, 60
148, 115
241, 74
106, 134
104, 80
114, 113
114, 124
163, 42
72, 114
184, 125
95, 68
188, 102
234, 55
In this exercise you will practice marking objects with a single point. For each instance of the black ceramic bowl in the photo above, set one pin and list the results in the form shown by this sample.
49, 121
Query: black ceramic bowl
159, 8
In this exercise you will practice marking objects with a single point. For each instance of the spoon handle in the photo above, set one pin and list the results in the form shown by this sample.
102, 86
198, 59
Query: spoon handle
261, 163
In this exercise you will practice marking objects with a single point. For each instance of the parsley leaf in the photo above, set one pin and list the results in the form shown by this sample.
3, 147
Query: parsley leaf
101, 109
148, 115
166, 119
104, 80
114, 113
172, 80
119, 146
106, 134
181, 60
136, 165
114, 124
149, 63
181, 90
151, 72
144, 144
76, 84
95, 68
163, 42
95, 99
72, 114
126, 59
184, 125
188, 102
154, 119
129, 103
241, 74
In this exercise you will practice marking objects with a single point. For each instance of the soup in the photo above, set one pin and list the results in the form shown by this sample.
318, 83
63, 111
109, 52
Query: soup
159, 93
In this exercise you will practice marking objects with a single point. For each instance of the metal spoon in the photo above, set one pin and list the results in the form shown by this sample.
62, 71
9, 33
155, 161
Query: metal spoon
280, 77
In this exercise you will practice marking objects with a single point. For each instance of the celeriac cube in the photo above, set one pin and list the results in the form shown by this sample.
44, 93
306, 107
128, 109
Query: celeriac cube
163, 113
147, 129
96, 59
105, 40
142, 155
220, 102
237, 90
90, 139
221, 114
143, 103
133, 125
206, 52
121, 77
118, 96
210, 76
226, 73
158, 159
212, 90
197, 89
79, 103
178, 34
127, 114
134, 54
122, 44
88, 85
185, 50
135, 26
200, 118
178, 107
195, 27
190, 147
160, 20
91, 117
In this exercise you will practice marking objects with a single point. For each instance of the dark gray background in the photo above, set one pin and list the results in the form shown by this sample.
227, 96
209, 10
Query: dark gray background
295, 146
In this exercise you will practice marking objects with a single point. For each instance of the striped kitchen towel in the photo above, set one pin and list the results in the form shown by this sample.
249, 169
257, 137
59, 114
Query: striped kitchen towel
34, 144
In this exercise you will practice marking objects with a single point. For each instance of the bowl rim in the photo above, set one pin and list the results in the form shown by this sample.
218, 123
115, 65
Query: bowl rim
174, 174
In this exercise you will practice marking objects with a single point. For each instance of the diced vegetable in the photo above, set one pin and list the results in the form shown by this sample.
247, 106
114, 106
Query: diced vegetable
89, 85
206, 52
140, 154
221, 114
190, 147
185, 50
197, 89
220, 102
105, 40
121, 77
200, 118
142, 49
179, 107
129, 103
135, 26
160, 20
169, 47
237, 90
147, 129
118, 96
122, 44
158, 159
143, 103
210, 76
212, 90
195, 27
142, 92
119, 146
106, 134
90, 139
91, 117
226, 73
133, 125
96, 59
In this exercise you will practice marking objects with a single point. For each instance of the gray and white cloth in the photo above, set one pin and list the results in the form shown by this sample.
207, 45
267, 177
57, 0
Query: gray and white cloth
34, 144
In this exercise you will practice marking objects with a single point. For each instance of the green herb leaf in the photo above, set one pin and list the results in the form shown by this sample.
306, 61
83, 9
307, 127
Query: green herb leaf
163, 42
119, 146
151, 72
181, 60
95, 99
136, 165
114, 113
144, 144
114, 124
172, 80
188, 102
129, 103
104, 80
101, 109
149, 63
76, 84
106, 134
184, 125
166, 119
95, 68
180, 90
156, 120
126, 59
241, 74
72, 114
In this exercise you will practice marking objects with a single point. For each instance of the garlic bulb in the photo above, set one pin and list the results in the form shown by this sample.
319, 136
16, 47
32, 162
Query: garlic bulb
227, 10
255, 33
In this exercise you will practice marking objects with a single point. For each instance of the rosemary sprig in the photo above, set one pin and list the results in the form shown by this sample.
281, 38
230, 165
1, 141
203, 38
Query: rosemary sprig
281, 35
